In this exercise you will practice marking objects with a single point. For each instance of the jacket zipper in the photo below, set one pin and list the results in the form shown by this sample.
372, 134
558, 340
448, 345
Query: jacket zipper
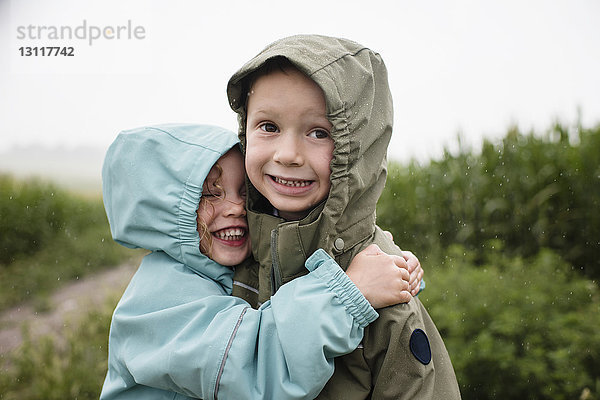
275, 272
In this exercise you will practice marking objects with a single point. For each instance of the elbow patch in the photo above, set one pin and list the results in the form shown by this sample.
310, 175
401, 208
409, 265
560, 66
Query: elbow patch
419, 346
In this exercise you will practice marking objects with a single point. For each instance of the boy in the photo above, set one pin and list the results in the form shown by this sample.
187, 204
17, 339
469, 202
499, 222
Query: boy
315, 119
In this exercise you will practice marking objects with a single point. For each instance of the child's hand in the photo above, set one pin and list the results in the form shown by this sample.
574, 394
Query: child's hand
381, 278
414, 268
415, 271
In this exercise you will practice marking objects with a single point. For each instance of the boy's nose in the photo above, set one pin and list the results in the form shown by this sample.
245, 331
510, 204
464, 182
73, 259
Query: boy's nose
288, 151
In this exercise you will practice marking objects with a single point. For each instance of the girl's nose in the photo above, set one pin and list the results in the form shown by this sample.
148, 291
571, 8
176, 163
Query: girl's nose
235, 206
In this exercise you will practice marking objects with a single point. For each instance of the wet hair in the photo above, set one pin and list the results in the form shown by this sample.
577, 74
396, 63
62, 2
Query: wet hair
205, 236
278, 63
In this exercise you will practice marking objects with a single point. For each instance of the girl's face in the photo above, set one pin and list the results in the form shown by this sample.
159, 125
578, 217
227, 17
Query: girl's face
222, 214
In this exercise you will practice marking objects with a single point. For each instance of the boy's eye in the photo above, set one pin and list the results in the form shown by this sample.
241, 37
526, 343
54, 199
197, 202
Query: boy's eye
268, 127
319, 134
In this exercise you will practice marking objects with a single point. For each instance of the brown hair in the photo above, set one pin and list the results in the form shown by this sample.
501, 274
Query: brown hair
205, 236
278, 63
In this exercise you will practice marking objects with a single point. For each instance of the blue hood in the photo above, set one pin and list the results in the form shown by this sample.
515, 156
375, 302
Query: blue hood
152, 182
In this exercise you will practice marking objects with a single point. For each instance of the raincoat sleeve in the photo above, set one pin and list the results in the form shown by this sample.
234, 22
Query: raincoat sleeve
217, 346
414, 363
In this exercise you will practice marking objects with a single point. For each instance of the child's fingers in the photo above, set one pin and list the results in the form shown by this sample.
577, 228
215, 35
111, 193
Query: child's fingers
411, 260
405, 296
403, 290
416, 284
405, 277
400, 262
416, 275
415, 279
413, 282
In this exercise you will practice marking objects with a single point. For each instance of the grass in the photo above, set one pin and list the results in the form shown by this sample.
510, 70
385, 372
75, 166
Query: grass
70, 365
34, 278
50, 237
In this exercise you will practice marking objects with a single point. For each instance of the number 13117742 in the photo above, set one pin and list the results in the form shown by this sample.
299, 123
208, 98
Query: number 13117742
46, 51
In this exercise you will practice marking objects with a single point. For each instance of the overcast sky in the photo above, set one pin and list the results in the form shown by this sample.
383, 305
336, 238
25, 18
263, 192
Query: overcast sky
470, 66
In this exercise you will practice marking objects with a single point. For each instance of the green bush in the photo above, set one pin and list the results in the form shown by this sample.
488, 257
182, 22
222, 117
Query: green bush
48, 237
529, 191
30, 214
516, 328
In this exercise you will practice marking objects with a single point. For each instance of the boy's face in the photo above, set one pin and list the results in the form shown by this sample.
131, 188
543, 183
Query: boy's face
288, 145
223, 211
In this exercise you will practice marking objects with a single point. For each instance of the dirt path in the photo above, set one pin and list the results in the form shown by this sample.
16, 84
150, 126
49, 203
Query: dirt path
66, 304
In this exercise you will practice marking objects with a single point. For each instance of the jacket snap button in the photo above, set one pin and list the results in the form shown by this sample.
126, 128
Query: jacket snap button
339, 244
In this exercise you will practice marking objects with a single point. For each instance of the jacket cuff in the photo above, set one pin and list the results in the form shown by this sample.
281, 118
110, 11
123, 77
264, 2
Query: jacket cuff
324, 267
421, 288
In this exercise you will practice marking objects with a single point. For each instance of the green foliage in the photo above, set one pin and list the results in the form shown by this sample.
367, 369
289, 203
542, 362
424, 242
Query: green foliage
516, 328
519, 320
69, 366
49, 237
526, 193
30, 214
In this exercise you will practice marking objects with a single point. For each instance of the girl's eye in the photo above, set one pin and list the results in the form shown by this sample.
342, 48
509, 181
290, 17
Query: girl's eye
319, 134
268, 127
211, 196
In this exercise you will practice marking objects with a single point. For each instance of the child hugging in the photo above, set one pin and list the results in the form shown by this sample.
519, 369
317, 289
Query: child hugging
178, 190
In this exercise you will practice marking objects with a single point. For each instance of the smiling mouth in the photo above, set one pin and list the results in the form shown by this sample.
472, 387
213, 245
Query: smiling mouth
230, 234
291, 183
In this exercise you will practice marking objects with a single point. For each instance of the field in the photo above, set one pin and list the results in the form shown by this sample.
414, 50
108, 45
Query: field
509, 237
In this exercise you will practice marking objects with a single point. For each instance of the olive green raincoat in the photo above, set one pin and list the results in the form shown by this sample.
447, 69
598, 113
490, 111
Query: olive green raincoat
402, 355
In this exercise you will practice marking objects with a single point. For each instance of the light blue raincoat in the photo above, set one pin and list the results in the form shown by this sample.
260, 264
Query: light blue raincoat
176, 332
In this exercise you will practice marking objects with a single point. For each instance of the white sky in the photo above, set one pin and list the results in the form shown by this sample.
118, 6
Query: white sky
470, 66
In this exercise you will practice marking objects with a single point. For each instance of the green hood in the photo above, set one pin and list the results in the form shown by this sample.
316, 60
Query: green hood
359, 106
